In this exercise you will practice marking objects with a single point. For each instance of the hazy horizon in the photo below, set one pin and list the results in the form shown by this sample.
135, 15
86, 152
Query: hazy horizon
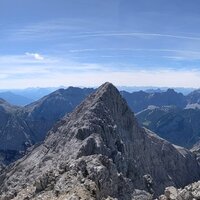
74, 42
120, 87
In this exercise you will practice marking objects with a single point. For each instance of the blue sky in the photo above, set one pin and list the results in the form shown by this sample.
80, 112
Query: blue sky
87, 42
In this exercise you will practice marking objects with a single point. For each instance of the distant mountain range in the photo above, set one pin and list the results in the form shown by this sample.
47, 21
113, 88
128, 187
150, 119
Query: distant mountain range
15, 99
34, 93
141, 100
177, 122
23, 97
151, 89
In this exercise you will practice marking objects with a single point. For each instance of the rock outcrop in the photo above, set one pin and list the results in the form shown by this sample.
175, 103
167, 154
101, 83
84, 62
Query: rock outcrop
99, 152
196, 150
190, 192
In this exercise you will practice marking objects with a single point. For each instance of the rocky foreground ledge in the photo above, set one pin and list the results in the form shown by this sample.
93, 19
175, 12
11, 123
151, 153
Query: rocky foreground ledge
190, 192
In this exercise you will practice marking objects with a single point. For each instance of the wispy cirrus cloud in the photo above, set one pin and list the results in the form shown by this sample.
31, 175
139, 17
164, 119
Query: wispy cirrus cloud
44, 30
171, 54
134, 34
81, 28
132, 49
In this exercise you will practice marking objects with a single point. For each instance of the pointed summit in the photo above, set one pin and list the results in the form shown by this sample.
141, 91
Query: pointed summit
105, 92
110, 95
107, 88
106, 98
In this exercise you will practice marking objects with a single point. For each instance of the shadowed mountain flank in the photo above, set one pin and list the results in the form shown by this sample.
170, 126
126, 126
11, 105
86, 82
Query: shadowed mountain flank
21, 127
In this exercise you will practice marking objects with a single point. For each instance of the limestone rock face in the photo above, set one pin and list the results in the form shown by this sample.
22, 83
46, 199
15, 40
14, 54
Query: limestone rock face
196, 149
99, 152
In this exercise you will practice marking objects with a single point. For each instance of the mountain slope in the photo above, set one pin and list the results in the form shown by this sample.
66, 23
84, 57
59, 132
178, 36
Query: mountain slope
42, 114
10, 124
99, 151
21, 127
179, 126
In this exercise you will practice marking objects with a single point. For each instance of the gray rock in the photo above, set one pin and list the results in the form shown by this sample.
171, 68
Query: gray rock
190, 192
171, 193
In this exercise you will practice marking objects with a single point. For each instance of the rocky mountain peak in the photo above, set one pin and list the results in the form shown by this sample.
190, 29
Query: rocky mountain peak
105, 107
171, 91
110, 97
97, 152
105, 92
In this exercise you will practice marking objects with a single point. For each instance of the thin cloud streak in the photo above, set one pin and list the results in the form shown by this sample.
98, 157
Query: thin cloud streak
44, 30
135, 34
133, 49
75, 29
172, 54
